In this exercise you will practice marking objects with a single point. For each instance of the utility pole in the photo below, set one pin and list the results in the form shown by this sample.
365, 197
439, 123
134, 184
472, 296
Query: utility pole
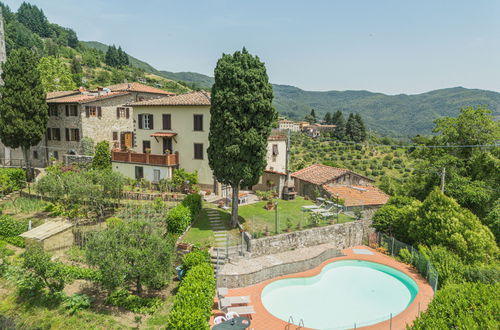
443, 178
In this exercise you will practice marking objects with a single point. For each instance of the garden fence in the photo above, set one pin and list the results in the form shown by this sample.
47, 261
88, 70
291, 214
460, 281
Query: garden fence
421, 262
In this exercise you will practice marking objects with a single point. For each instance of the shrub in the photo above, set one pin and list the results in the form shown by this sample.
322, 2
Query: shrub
76, 303
72, 273
12, 227
195, 258
462, 306
405, 256
113, 221
12, 179
193, 302
264, 195
178, 219
194, 203
122, 298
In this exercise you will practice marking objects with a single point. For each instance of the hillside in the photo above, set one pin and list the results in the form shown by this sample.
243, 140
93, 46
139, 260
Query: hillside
393, 115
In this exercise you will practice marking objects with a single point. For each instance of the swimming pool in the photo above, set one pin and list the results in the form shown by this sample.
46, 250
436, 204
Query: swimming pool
345, 293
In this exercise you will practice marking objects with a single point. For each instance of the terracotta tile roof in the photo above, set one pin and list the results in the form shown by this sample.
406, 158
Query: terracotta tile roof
358, 195
274, 137
319, 174
193, 98
274, 172
86, 98
164, 134
53, 95
137, 87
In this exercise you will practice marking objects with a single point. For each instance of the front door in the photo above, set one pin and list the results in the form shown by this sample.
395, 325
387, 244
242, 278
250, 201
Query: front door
127, 140
167, 145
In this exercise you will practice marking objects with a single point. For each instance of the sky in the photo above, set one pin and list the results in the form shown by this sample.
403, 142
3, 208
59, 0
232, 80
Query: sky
388, 46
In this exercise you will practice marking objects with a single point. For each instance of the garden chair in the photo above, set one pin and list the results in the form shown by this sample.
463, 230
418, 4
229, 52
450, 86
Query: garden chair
241, 310
231, 314
319, 203
219, 319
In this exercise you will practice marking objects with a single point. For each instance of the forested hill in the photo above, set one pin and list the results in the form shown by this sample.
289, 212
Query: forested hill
395, 115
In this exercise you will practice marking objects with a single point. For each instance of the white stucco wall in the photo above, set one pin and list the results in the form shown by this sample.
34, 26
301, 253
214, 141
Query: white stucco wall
276, 163
128, 170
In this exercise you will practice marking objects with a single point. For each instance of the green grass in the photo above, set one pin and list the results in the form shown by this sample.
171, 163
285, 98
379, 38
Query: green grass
201, 232
255, 218
24, 205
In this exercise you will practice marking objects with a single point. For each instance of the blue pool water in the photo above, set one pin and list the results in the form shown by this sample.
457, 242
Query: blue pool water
344, 293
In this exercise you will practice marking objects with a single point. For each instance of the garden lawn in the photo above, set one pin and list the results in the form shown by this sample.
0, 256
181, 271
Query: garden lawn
255, 218
201, 233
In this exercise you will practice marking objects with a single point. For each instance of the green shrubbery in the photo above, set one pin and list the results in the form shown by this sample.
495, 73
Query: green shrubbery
11, 179
11, 228
193, 302
122, 298
195, 258
264, 195
76, 303
462, 306
178, 219
194, 203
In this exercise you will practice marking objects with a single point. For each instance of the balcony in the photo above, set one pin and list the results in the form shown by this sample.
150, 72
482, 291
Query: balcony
148, 159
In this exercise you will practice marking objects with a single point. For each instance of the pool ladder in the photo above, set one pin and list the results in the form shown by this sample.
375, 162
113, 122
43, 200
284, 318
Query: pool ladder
290, 323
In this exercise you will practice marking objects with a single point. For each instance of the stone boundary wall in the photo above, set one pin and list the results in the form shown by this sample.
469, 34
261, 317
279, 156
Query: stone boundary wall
341, 235
243, 280
77, 159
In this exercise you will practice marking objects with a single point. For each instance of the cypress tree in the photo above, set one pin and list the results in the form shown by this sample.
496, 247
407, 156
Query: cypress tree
111, 58
361, 128
122, 57
328, 118
339, 121
350, 128
23, 109
313, 115
241, 118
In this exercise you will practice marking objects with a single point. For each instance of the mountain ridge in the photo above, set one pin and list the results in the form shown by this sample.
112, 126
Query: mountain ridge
400, 115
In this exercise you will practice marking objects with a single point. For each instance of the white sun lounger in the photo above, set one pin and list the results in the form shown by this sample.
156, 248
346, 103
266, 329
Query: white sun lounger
327, 208
319, 200
229, 301
242, 310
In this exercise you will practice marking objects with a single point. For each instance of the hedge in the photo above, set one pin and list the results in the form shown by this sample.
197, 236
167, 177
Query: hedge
12, 179
195, 258
178, 219
122, 298
194, 203
194, 300
10, 229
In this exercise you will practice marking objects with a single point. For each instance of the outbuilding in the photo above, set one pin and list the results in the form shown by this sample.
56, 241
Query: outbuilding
52, 235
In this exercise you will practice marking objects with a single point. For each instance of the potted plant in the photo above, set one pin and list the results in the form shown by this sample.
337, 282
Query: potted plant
269, 205
288, 225
148, 150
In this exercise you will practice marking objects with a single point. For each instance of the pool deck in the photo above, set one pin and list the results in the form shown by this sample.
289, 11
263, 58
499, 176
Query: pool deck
263, 320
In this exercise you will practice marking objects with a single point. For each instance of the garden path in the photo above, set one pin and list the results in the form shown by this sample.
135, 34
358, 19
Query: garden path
218, 227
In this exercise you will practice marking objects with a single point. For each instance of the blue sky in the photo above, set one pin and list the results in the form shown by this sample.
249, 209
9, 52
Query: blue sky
389, 46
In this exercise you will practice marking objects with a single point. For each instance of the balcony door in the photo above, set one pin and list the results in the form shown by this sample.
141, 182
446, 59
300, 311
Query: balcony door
146, 145
167, 145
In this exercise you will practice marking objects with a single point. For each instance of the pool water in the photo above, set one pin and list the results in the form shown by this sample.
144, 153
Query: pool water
345, 293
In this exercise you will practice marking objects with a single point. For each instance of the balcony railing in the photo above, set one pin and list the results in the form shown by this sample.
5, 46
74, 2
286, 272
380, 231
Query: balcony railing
150, 159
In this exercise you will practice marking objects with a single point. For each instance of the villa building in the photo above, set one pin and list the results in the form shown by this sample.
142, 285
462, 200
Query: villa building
285, 124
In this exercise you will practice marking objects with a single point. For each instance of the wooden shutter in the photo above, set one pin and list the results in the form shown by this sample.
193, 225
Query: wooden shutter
118, 113
77, 135
139, 118
57, 135
198, 151
67, 134
198, 122
99, 112
66, 107
122, 139
49, 134
167, 122
87, 111
115, 136
127, 113
151, 125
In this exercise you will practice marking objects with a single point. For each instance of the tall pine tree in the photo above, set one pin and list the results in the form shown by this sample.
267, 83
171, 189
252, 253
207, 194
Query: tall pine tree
328, 118
241, 118
23, 109
34, 19
361, 128
112, 58
350, 128
122, 57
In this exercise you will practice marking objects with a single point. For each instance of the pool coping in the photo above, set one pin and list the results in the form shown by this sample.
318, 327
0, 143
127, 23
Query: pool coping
263, 320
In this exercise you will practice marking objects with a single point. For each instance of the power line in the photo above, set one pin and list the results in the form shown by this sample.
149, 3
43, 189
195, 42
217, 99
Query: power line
350, 144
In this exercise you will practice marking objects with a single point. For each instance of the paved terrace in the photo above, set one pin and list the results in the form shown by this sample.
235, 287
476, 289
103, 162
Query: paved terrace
263, 320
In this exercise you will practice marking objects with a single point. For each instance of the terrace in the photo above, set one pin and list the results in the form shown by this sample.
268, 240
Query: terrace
145, 158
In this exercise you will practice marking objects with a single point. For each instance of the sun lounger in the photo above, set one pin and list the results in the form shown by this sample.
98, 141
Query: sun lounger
229, 301
242, 310
327, 208
222, 292
319, 203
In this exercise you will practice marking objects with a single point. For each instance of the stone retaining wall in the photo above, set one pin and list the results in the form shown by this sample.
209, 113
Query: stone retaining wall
243, 280
341, 235
77, 159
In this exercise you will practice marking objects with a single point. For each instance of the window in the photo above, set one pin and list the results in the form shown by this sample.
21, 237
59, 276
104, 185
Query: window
115, 136
93, 111
55, 154
275, 150
54, 134
146, 145
167, 121
156, 175
71, 110
35, 154
198, 122
198, 151
139, 172
122, 112
72, 134
53, 110
145, 121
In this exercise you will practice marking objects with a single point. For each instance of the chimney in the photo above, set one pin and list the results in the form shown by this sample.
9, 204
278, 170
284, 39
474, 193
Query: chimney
82, 89
99, 91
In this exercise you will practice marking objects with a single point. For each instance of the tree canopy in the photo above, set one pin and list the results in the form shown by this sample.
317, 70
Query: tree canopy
102, 156
241, 118
55, 75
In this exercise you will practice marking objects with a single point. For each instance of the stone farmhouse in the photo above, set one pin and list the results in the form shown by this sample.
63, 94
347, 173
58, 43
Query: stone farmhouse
355, 189
100, 115
172, 132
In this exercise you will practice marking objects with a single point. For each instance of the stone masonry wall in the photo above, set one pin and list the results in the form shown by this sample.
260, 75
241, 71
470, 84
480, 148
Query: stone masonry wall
342, 235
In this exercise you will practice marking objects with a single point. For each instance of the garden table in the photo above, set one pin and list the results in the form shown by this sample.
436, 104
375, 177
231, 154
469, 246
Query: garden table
233, 324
